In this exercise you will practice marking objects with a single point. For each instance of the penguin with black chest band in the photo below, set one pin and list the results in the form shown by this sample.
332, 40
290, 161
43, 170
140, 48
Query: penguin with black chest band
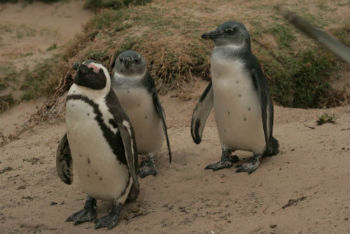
137, 94
239, 93
99, 145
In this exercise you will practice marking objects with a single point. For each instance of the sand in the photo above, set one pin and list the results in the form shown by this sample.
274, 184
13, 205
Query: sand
304, 189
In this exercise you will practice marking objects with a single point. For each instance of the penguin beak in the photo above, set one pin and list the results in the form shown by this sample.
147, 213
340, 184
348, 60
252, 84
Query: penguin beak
127, 64
211, 35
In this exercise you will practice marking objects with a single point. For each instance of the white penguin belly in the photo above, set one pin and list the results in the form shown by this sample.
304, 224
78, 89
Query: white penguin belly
101, 175
138, 105
237, 108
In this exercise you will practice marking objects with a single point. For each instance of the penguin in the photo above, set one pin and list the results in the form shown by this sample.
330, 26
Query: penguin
239, 93
99, 145
137, 93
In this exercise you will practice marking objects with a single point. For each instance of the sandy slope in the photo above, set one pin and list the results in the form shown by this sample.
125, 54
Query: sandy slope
313, 167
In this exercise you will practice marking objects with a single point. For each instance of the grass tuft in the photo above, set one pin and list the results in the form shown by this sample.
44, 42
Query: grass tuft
114, 4
302, 82
325, 118
42, 79
6, 101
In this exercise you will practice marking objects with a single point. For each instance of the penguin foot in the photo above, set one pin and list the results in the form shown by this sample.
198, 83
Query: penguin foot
147, 168
252, 164
88, 214
225, 162
111, 220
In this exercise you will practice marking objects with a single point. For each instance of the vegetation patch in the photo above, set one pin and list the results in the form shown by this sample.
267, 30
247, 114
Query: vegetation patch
114, 4
42, 79
6, 101
39, 81
28, 1
168, 35
325, 118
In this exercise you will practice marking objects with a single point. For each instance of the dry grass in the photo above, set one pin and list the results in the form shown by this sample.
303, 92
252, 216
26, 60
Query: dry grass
168, 33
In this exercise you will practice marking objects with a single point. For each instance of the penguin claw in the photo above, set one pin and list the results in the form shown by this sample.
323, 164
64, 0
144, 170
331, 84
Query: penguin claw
109, 221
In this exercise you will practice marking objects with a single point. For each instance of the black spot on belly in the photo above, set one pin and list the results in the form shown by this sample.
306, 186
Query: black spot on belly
249, 108
237, 81
88, 175
73, 105
146, 117
138, 105
96, 173
228, 112
88, 114
224, 130
239, 95
100, 178
245, 119
88, 161
80, 155
113, 123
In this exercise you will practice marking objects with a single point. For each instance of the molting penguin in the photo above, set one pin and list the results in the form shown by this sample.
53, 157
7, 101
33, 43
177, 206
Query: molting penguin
100, 145
240, 96
137, 93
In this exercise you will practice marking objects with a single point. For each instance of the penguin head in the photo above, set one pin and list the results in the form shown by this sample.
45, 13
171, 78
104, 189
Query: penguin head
91, 75
130, 63
230, 33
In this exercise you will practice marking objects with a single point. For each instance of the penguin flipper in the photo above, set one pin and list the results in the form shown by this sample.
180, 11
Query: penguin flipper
201, 113
64, 161
128, 138
265, 102
161, 114
151, 87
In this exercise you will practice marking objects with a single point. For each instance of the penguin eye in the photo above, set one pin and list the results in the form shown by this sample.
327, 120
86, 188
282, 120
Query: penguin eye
230, 30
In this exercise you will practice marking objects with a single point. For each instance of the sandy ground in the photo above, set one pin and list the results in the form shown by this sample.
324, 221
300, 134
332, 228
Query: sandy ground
40, 25
31, 33
311, 174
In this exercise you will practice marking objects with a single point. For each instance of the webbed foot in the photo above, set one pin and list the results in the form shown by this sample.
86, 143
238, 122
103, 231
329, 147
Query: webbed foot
227, 161
147, 167
88, 214
250, 166
111, 220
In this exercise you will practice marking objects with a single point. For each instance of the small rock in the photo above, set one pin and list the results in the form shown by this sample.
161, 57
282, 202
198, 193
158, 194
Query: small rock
53, 203
27, 198
21, 187
273, 225
6, 169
